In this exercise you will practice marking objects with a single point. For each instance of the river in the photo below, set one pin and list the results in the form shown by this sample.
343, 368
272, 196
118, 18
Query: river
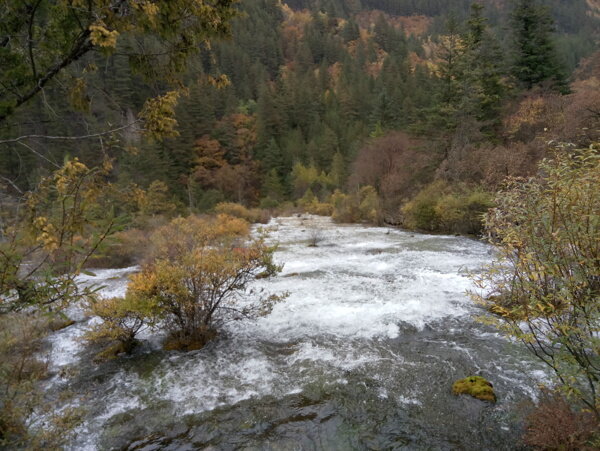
361, 355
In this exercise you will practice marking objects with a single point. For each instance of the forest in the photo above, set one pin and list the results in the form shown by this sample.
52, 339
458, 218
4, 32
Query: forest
167, 136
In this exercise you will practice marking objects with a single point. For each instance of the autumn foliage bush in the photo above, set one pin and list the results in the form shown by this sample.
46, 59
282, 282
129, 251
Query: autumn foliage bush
544, 288
122, 319
251, 215
22, 366
363, 205
195, 279
554, 425
441, 207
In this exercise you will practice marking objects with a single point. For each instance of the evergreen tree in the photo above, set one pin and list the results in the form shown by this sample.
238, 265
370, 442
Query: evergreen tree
451, 86
272, 157
482, 71
272, 187
338, 170
535, 57
350, 31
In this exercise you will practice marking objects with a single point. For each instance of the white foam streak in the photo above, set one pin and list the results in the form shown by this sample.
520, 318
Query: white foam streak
361, 285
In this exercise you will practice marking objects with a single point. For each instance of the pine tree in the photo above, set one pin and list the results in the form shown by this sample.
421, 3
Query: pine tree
535, 57
451, 87
272, 157
272, 187
338, 170
482, 71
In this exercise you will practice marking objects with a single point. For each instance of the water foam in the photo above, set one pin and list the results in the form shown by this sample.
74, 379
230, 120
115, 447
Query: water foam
348, 297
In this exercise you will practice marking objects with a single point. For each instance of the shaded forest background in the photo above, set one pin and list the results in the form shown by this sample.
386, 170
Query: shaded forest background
309, 97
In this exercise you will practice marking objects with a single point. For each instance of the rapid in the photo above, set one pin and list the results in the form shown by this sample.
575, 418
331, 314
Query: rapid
361, 355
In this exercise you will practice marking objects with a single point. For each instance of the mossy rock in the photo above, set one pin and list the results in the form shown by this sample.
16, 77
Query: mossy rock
60, 323
476, 386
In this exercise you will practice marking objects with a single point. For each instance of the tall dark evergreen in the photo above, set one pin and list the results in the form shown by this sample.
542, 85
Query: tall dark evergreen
482, 70
536, 60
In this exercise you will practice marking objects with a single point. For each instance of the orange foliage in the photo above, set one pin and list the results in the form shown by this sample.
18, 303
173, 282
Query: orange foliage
573, 118
199, 272
292, 29
229, 169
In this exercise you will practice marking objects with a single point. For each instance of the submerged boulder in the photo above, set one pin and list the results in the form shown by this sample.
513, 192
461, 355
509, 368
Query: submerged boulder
476, 386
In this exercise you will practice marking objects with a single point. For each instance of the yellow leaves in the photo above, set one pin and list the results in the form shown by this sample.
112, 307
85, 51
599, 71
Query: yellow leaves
149, 12
159, 116
148, 8
90, 68
198, 264
153, 201
107, 165
78, 96
545, 285
220, 82
143, 282
47, 235
103, 37
499, 310
69, 175
185, 235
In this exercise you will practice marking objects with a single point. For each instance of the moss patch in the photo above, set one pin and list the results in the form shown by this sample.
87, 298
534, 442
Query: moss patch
476, 386
60, 323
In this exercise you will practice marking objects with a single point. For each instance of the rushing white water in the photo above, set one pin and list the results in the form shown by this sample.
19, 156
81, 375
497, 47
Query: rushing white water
386, 302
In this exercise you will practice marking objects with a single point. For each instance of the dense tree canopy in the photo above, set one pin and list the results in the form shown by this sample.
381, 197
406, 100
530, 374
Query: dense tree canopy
40, 38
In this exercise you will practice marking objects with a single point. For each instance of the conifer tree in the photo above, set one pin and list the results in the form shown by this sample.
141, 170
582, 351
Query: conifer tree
535, 57
272, 187
338, 170
450, 88
482, 70
272, 157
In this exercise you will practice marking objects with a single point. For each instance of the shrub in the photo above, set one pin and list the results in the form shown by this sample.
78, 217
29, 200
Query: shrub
315, 236
199, 274
420, 213
122, 319
234, 210
53, 233
268, 203
544, 287
123, 248
254, 215
440, 207
22, 367
363, 205
311, 204
554, 425
318, 208
396, 165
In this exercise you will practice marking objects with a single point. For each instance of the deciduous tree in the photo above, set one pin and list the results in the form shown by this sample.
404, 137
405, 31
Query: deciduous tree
544, 289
